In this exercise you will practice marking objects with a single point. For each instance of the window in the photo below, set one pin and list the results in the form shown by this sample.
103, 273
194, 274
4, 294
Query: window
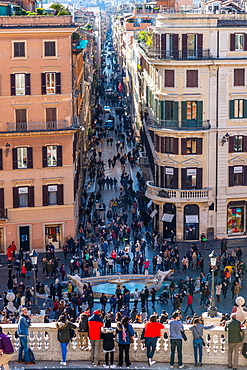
191, 178
50, 48
169, 177
191, 146
239, 41
191, 110
51, 83
52, 195
169, 112
23, 196
20, 84
52, 156
22, 157
238, 143
238, 175
169, 78
238, 108
19, 50
171, 145
21, 119
239, 77
51, 118
192, 78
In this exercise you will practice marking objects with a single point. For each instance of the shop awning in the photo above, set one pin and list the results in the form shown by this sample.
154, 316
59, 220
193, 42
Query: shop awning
167, 217
192, 219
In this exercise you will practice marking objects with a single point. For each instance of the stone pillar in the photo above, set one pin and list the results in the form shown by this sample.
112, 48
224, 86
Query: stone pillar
179, 222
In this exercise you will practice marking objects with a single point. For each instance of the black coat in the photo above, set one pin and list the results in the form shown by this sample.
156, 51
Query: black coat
108, 335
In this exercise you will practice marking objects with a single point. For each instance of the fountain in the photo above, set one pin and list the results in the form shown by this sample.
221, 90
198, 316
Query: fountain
241, 314
132, 282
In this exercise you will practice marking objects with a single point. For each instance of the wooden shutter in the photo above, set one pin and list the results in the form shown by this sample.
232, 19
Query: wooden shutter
163, 42
15, 198
169, 78
184, 46
231, 176
58, 83
45, 195
60, 194
231, 109
51, 114
162, 177
50, 48
31, 196
27, 84
245, 175
175, 45
199, 178
231, 144
158, 41
14, 158
29, 157
59, 156
245, 42
245, 108
232, 41
44, 156
239, 77
43, 83
192, 78
245, 144
175, 178
157, 146
184, 112
199, 41
1, 159
175, 111
184, 146
175, 145
162, 110
157, 176
19, 49
199, 111
2, 199
199, 145
21, 115
184, 178
162, 144
12, 84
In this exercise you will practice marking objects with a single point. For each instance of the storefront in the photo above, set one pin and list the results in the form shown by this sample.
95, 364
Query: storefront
236, 219
169, 219
191, 222
53, 234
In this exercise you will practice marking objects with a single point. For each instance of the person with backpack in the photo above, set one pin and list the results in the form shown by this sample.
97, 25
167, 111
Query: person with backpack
64, 335
6, 350
83, 326
108, 335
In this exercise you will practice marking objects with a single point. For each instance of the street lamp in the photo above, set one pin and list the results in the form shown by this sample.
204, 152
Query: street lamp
212, 310
34, 260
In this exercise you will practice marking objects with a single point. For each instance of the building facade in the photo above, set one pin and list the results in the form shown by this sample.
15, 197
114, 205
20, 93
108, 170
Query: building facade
191, 91
38, 133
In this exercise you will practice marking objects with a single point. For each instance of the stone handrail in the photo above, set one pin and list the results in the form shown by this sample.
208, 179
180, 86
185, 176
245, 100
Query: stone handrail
177, 194
43, 341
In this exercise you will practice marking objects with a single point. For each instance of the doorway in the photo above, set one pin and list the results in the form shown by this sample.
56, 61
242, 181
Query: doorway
24, 237
1, 239
169, 219
191, 222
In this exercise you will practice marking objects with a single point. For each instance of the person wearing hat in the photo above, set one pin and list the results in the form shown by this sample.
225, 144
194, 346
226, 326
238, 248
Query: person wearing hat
95, 323
108, 335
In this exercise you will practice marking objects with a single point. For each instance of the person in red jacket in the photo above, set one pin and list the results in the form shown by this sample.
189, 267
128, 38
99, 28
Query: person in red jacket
189, 303
95, 323
152, 332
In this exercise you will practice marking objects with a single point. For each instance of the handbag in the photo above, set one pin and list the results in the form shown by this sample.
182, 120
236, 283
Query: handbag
183, 334
203, 343
204, 239
165, 335
131, 339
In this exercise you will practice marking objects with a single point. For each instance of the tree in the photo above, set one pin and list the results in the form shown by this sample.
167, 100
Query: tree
57, 7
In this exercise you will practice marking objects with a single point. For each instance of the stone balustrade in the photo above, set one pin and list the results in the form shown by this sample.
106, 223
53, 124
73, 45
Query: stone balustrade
43, 341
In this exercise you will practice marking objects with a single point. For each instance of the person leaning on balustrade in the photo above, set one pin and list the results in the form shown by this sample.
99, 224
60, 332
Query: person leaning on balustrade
64, 334
234, 337
152, 331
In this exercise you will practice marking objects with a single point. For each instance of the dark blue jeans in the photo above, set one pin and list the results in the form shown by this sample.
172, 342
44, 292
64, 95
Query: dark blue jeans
151, 346
23, 347
197, 343
176, 343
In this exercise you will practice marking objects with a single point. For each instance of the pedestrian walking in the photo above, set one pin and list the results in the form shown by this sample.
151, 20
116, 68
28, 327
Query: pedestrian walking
152, 331
189, 304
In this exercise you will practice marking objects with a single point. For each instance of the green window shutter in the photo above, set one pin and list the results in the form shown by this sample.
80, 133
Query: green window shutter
231, 114
162, 110
184, 112
156, 109
199, 111
245, 108
175, 111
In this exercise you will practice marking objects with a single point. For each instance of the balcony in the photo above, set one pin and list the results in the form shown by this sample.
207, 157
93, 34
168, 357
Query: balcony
178, 195
3, 214
38, 126
178, 125
175, 54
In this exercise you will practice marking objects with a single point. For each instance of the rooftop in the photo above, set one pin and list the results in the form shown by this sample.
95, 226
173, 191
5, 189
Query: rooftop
36, 21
